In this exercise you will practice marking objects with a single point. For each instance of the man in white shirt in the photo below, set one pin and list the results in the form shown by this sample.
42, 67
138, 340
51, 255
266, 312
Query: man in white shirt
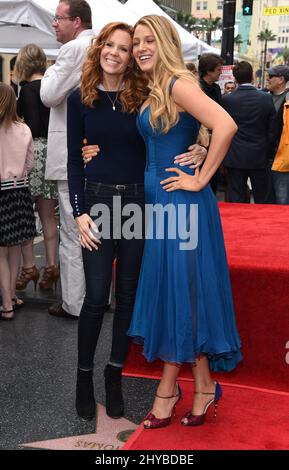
72, 24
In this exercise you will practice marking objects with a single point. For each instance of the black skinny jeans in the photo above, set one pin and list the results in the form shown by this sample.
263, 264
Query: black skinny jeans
98, 274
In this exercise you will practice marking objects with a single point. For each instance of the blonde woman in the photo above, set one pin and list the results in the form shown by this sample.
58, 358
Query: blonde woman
29, 69
183, 310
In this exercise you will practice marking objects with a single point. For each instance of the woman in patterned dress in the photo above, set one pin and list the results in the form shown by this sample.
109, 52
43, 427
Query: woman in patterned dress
29, 69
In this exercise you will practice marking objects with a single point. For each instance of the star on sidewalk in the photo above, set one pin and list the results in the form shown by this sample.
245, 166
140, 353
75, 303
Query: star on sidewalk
110, 434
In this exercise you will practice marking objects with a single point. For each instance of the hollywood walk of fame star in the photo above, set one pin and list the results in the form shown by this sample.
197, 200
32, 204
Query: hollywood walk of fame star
110, 434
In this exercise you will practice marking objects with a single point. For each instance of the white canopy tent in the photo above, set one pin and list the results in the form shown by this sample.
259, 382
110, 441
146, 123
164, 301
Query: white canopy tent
30, 21
105, 11
192, 46
23, 22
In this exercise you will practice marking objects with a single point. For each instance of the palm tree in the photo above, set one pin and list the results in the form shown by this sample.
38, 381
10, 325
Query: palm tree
188, 22
209, 25
238, 41
265, 36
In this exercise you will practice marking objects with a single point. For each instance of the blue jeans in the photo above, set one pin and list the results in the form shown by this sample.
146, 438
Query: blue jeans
98, 276
281, 186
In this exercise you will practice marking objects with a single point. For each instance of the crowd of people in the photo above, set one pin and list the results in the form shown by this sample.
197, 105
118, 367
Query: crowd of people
120, 121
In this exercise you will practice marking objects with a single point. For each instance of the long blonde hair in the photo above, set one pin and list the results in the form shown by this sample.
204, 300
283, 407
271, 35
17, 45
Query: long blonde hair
169, 64
30, 59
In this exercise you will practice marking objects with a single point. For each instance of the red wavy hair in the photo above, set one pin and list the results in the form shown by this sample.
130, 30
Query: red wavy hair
135, 91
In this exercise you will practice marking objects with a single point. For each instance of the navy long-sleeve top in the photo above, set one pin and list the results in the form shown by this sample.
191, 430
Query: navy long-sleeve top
121, 159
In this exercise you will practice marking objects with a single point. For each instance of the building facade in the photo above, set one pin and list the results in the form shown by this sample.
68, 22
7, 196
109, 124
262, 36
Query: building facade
202, 8
266, 14
182, 5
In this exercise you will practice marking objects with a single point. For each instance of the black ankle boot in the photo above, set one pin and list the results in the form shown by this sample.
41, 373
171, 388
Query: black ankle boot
85, 402
113, 393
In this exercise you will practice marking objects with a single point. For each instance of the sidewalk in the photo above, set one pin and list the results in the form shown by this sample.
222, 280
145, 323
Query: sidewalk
38, 357
38, 360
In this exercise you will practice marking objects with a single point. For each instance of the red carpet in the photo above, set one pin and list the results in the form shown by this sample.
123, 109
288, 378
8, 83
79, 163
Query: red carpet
247, 419
257, 243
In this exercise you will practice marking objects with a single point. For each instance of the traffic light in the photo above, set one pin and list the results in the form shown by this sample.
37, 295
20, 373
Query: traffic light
247, 7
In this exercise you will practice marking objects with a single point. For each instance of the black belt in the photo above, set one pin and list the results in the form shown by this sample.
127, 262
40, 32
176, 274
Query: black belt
117, 187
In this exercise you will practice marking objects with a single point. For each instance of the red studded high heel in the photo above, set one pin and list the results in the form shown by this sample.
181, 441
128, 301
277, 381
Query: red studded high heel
196, 420
162, 422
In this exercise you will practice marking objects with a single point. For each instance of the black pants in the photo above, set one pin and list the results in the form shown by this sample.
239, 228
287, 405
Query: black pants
98, 273
260, 180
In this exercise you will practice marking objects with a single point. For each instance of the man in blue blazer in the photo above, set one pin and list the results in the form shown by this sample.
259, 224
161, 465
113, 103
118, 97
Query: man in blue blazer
250, 152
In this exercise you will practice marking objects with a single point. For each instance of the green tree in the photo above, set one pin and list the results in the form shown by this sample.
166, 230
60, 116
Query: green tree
265, 36
187, 22
209, 25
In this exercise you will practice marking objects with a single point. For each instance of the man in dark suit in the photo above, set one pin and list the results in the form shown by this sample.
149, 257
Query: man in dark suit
251, 147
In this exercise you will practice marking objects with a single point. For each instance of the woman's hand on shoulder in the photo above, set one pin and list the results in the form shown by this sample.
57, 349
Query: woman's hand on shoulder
182, 181
194, 157
89, 151
86, 237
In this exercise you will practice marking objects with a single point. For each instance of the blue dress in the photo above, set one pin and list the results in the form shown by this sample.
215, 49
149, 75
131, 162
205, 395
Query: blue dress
183, 305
